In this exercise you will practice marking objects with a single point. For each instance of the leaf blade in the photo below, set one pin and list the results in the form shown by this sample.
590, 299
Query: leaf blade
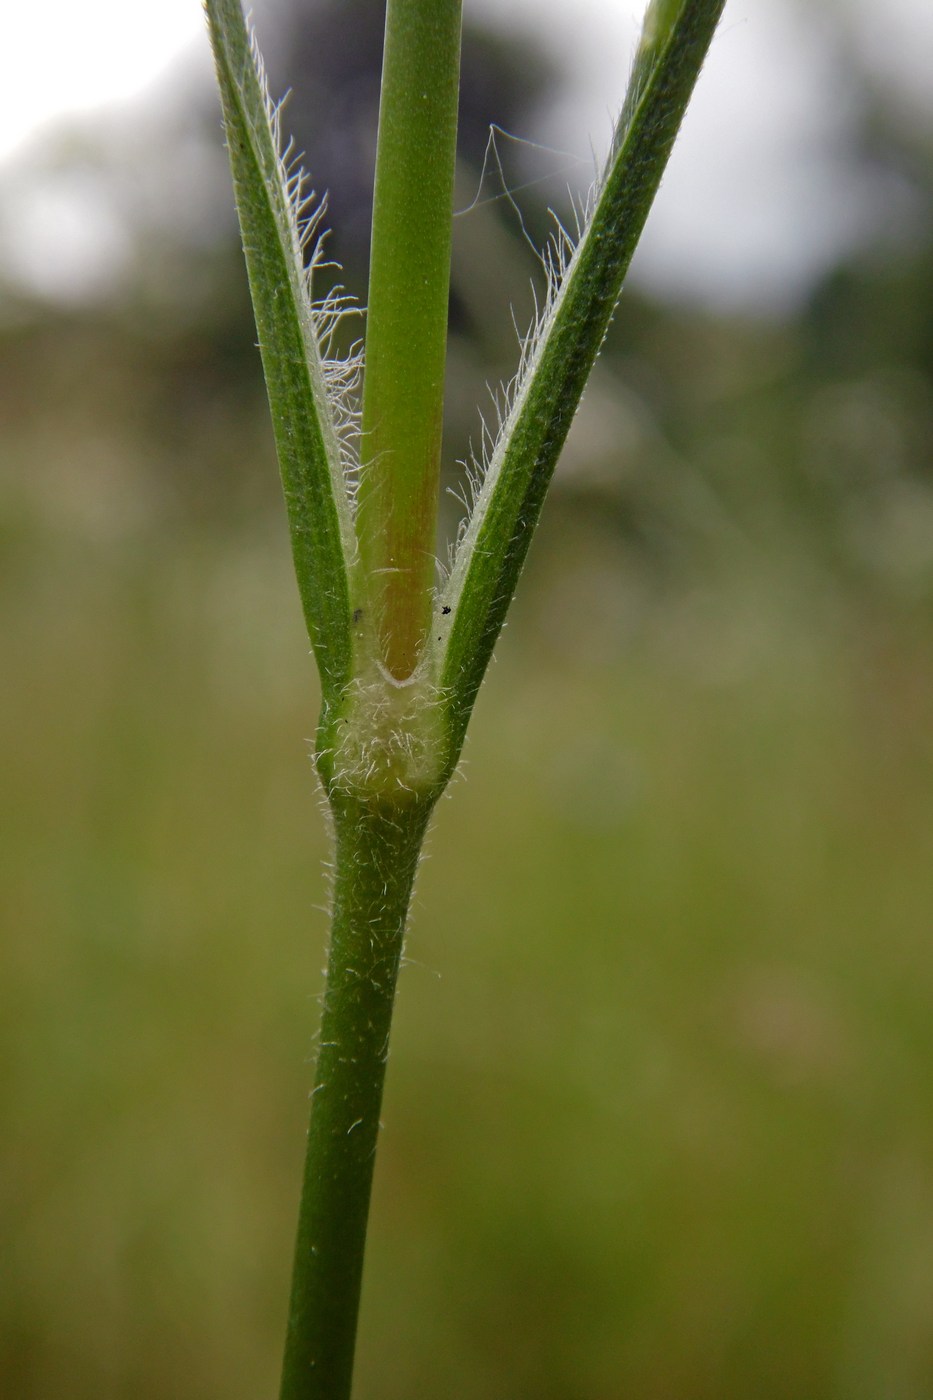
304, 426
486, 567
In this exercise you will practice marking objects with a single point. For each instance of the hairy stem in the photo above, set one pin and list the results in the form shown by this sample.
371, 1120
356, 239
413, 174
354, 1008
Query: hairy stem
377, 850
406, 326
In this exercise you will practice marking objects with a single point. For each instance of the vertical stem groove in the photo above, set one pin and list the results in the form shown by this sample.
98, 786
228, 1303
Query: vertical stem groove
377, 851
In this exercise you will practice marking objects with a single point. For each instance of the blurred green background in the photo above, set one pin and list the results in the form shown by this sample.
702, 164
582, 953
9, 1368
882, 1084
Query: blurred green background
659, 1118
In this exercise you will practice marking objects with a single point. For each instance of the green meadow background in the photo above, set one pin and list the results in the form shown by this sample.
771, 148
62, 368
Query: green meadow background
659, 1116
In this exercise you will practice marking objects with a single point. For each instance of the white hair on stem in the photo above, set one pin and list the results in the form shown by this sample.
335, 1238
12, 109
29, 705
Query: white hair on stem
304, 213
482, 467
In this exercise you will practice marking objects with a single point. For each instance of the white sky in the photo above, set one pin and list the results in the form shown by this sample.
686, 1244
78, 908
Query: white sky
61, 57
753, 204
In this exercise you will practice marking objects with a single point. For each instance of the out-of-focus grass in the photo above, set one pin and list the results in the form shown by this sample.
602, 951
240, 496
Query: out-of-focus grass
659, 1119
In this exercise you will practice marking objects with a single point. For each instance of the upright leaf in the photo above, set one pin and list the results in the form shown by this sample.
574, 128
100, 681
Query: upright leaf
585, 282
308, 418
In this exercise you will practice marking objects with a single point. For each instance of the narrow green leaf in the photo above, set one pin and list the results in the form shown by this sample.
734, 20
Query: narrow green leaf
306, 415
560, 353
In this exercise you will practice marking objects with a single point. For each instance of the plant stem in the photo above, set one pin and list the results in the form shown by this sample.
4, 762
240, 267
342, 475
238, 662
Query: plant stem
377, 850
406, 322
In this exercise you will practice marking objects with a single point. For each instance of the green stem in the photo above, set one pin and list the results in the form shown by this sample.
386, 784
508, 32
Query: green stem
377, 850
406, 323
